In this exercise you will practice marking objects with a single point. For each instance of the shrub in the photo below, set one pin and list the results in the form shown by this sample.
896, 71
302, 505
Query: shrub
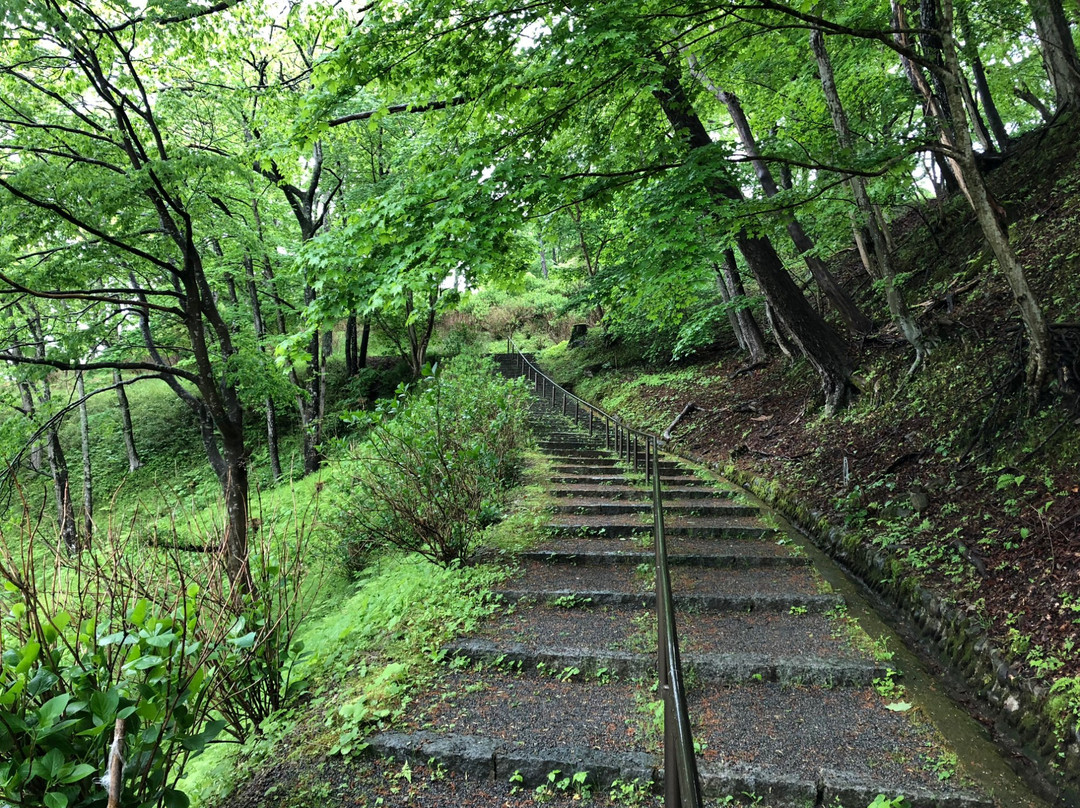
436, 464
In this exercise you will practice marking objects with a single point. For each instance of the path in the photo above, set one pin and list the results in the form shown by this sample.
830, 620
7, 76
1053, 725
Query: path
787, 700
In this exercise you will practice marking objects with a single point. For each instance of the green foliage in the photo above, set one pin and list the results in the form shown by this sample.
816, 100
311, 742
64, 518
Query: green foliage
436, 464
120, 633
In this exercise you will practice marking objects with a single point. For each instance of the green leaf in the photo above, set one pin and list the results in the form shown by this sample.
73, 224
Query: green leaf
899, 706
52, 709
56, 799
77, 773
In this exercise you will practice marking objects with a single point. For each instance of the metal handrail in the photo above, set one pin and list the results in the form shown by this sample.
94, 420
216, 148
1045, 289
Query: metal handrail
684, 789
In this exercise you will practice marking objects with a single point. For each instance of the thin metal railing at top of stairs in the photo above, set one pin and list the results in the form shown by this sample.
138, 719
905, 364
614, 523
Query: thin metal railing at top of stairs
684, 789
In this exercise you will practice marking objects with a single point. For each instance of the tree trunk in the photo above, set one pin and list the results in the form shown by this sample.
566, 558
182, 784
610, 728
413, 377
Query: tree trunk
543, 258
733, 317
748, 326
351, 365
309, 401
365, 338
1058, 51
259, 324
982, 134
826, 281
882, 253
932, 104
28, 407
780, 337
982, 86
126, 428
88, 475
988, 214
822, 347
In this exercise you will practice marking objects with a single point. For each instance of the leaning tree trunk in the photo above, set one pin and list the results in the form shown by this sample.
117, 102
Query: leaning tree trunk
993, 225
126, 428
826, 281
883, 255
88, 472
733, 319
748, 326
822, 347
982, 86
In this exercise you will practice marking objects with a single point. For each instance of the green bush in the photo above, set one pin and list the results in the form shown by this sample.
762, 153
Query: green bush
436, 463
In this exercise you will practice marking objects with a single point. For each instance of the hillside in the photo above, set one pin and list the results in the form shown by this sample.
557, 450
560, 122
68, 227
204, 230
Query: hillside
944, 469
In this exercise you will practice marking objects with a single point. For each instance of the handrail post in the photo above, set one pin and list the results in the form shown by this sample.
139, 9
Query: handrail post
635, 452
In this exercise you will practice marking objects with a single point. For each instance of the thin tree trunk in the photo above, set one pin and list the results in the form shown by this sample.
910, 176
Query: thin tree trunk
748, 326
883, 255
365, 338
88, 472
982, 87
992, 223
126, 428
543, 258
733, 317
932, 104
29, 408
982, 134
780, 337
351, 366
259, 324
826, 281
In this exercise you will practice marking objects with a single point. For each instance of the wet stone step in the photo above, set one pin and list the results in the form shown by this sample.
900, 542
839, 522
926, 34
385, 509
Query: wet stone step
700, 508
815, 733
607, 491
692, 603
675, 559
677, 545
576, 624
735, 527
541, 578
534, 713
591, 479
489, 760
721, 668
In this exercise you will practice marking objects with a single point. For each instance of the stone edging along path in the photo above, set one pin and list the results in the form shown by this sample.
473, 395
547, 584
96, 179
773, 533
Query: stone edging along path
1017, 707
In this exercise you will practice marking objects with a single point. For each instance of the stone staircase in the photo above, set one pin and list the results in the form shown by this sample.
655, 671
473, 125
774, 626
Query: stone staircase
788, 704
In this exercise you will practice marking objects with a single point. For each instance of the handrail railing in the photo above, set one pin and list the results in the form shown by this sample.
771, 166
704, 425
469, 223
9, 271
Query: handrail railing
683, 790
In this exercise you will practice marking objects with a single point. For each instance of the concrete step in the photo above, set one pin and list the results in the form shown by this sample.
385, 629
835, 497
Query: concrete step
595, 506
